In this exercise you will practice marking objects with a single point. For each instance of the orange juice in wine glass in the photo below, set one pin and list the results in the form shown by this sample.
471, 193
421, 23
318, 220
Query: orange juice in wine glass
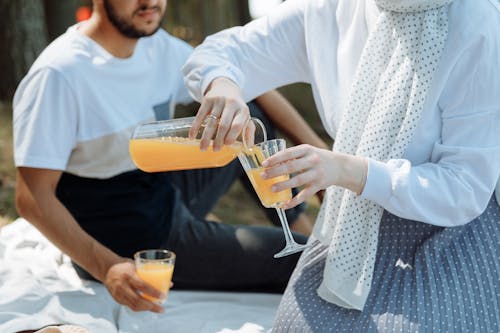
268, 198
252, 159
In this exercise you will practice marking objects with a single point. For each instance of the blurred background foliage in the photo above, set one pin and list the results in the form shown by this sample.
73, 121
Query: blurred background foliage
27, 26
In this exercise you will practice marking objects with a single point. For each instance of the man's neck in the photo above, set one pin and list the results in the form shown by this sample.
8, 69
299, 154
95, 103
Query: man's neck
106, 35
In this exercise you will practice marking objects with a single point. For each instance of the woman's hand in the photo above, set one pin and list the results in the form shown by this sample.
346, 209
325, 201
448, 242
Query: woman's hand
315, 169
227, 113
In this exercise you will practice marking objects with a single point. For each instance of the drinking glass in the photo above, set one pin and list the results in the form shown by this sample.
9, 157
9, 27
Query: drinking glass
252, 159
155, 267
166, 146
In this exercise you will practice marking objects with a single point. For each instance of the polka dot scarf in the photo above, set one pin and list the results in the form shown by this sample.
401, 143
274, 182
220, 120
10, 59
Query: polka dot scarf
387, 97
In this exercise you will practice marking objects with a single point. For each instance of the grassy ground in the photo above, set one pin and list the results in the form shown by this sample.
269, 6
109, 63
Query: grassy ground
236, 207
7, 175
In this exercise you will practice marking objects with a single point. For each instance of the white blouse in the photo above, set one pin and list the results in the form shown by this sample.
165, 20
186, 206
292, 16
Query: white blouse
452, 165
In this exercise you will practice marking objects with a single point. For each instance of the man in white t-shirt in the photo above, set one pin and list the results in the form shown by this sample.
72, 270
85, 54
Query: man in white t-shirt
73, 116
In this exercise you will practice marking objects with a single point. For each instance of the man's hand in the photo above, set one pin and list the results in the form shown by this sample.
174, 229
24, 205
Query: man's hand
37, 202
125, 286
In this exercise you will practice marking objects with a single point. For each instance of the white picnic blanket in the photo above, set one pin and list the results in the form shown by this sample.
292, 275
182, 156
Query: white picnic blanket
39, 287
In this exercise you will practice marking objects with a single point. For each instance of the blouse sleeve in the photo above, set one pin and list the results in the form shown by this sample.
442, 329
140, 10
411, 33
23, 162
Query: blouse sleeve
265, 54
455, 186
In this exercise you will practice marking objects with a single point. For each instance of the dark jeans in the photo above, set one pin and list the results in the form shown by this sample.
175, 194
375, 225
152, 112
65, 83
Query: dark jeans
201, 189
212, 255
218, 256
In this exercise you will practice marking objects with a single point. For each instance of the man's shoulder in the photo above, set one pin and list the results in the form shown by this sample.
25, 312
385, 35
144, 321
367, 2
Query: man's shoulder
64, 52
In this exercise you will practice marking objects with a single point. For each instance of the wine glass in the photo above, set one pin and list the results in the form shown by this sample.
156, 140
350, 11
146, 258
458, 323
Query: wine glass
251, 159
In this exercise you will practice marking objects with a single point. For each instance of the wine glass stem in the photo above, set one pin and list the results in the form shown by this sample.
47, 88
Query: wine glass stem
284, 224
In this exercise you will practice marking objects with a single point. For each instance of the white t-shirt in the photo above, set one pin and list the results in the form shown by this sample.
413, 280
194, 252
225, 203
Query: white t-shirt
78, 105
452, 165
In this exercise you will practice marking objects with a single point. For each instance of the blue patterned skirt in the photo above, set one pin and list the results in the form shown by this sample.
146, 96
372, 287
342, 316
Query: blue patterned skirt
426, 279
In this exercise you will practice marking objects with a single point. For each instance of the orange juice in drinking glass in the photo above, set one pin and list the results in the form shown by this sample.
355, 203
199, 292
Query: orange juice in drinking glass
155, 267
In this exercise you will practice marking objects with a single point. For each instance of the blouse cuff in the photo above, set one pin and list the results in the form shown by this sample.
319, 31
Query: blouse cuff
378, 186
209, 77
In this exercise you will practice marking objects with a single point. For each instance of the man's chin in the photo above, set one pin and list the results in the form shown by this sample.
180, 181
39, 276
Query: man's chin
136, 33
149, 29
149, 32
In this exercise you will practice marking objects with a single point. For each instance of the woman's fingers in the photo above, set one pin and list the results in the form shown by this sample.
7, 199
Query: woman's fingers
225, 119
305, 163
212, 122
303, 195
241, 117
306, 178
286, 155
290, 166
231, 123
203, 111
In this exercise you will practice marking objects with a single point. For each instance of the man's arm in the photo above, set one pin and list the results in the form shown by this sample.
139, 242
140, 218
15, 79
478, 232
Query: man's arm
36, 201
288, 120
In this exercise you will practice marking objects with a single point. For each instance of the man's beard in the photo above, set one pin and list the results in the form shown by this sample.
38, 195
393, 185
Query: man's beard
124, 27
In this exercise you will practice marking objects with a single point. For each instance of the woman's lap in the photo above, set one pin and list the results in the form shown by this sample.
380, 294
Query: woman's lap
426, 278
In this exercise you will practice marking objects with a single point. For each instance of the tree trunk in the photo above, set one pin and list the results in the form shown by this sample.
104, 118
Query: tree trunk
22, 37
60, 14
193, 20
244, 11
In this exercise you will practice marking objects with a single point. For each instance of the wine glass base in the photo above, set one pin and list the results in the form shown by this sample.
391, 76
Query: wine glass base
291, 249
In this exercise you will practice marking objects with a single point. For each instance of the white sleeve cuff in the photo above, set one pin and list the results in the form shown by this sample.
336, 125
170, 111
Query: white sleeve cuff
378, 187
40, 162
208, 78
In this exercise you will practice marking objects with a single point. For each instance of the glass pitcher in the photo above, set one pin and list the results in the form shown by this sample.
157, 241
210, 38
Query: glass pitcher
165, 146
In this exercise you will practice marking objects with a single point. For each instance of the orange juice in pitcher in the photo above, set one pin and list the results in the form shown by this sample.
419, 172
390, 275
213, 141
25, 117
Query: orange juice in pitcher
177, 153
166, 146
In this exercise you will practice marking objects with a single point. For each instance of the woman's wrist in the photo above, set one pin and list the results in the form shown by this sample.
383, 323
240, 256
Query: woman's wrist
224, 82
353, 171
